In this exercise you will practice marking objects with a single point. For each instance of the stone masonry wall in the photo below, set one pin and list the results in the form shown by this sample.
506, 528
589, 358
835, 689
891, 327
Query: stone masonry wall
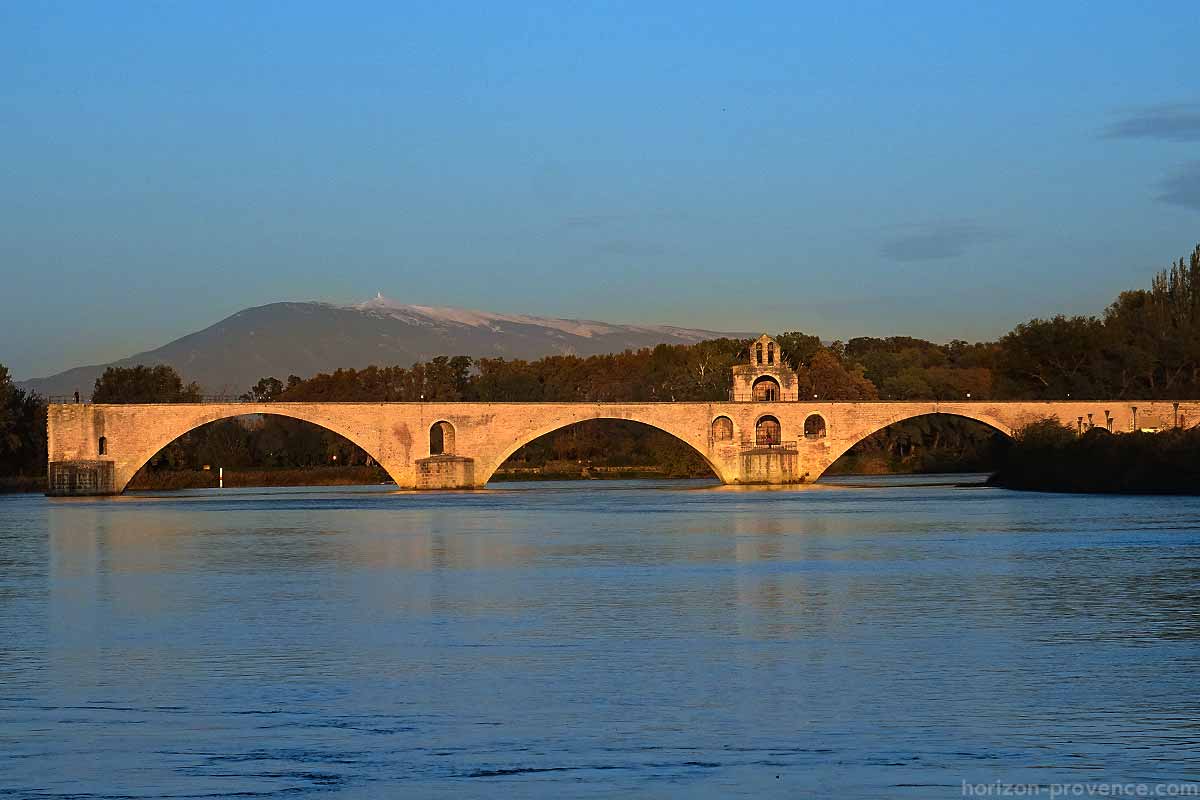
397, 434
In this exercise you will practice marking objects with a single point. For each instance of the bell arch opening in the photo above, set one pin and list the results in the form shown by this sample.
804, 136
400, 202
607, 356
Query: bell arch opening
926, 444
604, 448
259, 449
766, 390
767, 432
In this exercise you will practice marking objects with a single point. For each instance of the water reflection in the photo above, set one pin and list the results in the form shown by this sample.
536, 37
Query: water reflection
857, 641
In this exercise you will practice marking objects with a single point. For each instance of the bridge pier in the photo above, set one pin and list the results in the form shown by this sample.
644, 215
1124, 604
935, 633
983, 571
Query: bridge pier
81, 478
770, 465
445, 472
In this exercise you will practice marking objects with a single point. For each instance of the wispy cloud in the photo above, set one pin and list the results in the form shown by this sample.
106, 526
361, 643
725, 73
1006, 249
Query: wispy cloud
936, 240
1183, 187
1177, 122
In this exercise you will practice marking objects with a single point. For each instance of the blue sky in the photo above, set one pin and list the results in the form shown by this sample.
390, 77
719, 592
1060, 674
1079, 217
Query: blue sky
942, 170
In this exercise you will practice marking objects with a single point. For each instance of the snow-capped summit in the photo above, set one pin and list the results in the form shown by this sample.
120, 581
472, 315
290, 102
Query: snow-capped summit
284, 339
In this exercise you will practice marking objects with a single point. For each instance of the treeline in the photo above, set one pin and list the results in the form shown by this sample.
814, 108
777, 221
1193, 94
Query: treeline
1049, 456
1146, 346
22, 437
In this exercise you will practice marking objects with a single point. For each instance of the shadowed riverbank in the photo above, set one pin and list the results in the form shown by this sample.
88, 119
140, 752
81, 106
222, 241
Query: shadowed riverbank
1051, 458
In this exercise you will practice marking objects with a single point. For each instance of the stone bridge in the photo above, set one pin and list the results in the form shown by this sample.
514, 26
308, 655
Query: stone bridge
96, 449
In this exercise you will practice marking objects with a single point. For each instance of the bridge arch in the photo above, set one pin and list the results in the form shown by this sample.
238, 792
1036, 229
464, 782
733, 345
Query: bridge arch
840, 446
485, 473
129, 462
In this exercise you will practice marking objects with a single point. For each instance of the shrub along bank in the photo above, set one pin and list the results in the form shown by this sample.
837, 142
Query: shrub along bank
1048, 456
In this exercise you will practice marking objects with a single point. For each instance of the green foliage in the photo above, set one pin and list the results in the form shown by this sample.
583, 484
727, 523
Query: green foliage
1045, 435
829, 375
798, 348
266, 390
265, 441
1051, 457
930, 443
666, 372
142, 384
610, 443
22, 430
1147, 345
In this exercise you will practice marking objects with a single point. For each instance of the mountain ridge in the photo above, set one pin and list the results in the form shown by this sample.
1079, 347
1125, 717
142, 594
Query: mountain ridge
304, 338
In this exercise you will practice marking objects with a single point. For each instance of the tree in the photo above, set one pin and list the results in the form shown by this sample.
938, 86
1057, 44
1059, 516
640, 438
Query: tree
266, 390
828, 378
1054, 359
142, 384
798, 348
22, 429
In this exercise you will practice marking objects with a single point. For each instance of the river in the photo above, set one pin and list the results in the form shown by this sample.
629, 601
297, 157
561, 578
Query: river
657, 639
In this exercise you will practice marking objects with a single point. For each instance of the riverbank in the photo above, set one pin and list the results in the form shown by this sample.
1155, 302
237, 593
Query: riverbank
1051, 458
569, 471
22, 484
167, 480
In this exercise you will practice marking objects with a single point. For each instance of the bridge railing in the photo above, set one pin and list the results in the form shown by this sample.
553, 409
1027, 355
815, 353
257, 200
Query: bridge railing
69, 399
790, 444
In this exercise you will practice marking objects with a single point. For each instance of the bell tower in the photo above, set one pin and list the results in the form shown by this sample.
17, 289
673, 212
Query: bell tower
767, 378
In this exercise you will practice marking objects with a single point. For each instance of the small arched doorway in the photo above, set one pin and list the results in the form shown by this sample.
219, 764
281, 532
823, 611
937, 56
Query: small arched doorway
767, 432
766, 390
441, 439
814, 427
722, 429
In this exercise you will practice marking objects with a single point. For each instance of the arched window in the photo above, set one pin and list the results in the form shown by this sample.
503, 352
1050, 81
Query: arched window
103, 447
814, 427
441, 439
770, 353
767, 432
766, 389
758, 352
722, 429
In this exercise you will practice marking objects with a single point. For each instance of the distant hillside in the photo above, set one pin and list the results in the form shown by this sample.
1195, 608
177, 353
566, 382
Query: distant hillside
284, 339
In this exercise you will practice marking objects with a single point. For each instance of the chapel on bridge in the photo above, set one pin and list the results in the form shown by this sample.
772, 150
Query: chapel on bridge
767, 378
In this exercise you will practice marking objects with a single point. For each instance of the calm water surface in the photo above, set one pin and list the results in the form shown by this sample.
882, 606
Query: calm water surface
656, 639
